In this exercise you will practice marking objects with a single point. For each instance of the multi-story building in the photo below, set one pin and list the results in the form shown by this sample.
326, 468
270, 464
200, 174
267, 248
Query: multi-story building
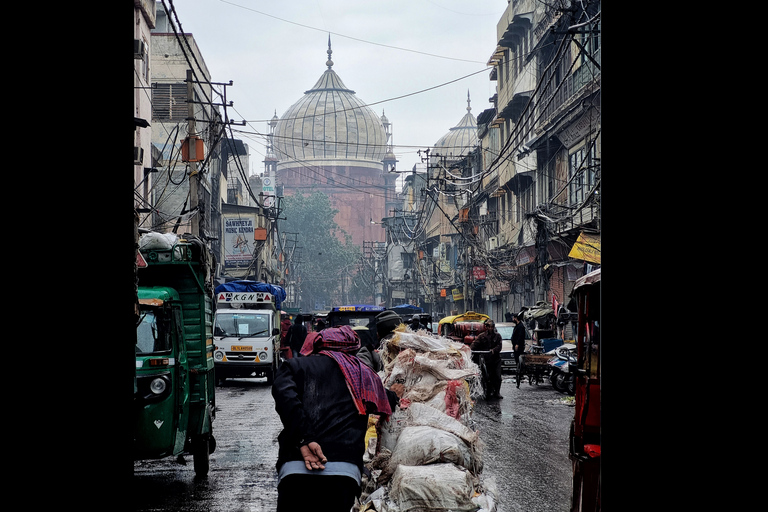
423, 243
144, 22
207, 191
540, 148
182, 107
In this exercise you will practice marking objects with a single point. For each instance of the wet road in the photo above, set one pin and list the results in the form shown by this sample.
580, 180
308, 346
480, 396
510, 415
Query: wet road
525, 436
526, 447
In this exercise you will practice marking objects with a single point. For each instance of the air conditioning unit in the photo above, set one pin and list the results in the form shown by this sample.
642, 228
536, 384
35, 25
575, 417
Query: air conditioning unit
492, 243
138, 156
138, 49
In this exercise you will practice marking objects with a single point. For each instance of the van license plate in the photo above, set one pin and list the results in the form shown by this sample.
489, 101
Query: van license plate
242, 348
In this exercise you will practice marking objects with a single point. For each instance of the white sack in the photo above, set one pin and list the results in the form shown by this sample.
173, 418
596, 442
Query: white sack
436, 488
158, 241
421, 445
424, 415
391, 428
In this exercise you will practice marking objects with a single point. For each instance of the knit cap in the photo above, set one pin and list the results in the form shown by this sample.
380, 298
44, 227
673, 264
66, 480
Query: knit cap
386, 322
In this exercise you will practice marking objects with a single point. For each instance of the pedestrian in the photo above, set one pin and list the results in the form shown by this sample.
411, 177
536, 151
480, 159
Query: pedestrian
367, 353
285, 325
518, 338
490, 340
324, 400
296, 335
386, 323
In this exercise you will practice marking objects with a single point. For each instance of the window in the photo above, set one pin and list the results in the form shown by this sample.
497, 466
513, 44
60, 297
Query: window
151, 336
546, 176
241, 324
525, 201
581, 173
169, 102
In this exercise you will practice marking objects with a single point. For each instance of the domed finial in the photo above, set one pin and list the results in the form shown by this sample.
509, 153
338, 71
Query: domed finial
469, 108
329, 63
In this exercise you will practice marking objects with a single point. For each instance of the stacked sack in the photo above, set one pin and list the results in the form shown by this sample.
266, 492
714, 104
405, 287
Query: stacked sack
428, 458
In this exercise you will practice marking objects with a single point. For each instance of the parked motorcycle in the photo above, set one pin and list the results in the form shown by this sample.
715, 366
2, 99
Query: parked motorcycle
560, 376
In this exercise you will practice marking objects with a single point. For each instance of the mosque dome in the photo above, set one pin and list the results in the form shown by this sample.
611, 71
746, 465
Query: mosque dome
330, 123
462, 138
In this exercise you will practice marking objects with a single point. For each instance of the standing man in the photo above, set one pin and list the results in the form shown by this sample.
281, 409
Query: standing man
518, 338
324, 400
490, 339
285, 347
297, 333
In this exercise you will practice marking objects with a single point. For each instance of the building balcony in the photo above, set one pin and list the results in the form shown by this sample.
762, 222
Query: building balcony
556, 97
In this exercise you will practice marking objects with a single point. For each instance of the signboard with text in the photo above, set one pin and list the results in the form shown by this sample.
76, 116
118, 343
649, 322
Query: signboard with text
239, 241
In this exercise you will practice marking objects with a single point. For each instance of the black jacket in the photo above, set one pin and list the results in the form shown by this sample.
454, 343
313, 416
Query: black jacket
297, 333
488, 341
518, 338
314, 404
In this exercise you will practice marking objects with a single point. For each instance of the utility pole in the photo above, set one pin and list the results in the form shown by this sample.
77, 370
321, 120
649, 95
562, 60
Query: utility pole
194, 177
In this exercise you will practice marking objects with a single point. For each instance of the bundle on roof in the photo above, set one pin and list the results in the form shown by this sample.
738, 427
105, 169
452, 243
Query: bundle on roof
246, 286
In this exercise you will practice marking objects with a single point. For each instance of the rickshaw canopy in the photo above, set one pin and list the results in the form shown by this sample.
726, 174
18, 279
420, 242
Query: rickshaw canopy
469, 316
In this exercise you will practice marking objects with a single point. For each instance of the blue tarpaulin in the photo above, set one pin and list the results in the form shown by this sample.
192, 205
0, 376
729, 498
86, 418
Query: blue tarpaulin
243, 286
407, 309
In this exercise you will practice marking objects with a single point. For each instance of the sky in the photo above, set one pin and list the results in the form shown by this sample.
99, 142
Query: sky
413, 60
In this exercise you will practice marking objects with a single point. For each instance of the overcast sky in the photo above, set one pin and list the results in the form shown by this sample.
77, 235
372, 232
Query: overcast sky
410, 59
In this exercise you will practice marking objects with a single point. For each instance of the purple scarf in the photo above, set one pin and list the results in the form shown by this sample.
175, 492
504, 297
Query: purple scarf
341, 343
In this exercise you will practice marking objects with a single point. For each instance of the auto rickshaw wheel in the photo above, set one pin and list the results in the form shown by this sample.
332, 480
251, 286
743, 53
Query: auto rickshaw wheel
200, 455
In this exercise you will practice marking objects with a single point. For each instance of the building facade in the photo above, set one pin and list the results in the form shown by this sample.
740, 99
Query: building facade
424, 265
205, 191
144, 22
511, 215
540, 147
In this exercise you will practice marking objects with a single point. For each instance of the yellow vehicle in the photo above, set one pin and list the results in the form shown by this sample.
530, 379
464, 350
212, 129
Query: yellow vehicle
464, 328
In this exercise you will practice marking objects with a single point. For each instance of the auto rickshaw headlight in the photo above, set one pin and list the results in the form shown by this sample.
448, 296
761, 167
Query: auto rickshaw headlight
158, 385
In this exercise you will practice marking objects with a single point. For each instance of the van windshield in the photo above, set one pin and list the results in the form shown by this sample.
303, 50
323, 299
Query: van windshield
150, 336
241, 324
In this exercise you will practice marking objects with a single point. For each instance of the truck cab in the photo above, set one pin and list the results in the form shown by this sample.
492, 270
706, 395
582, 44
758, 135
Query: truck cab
247, 330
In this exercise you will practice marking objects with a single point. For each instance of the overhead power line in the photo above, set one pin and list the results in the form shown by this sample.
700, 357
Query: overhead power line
350, 37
